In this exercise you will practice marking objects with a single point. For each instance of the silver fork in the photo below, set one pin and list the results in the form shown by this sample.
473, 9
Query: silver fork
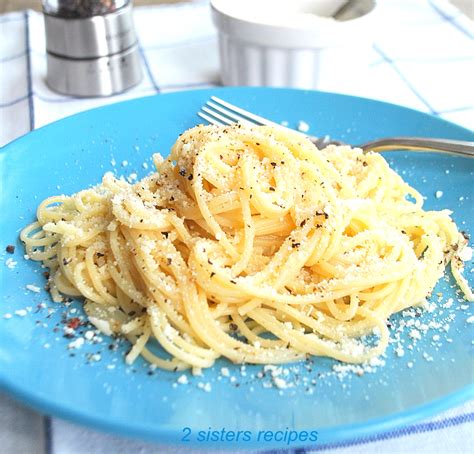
219, 112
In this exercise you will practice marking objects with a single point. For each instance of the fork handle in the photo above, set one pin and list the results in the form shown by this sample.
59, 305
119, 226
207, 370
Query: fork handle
456, 147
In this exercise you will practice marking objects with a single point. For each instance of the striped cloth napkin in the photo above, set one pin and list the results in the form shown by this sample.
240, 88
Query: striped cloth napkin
424, 60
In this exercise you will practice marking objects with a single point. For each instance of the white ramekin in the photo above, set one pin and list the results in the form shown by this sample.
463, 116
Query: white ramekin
285, 43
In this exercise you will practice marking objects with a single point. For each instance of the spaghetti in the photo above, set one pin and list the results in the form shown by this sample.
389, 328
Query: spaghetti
247, 243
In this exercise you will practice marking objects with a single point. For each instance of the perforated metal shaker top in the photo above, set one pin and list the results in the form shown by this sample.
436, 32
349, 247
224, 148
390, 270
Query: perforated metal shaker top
80, 9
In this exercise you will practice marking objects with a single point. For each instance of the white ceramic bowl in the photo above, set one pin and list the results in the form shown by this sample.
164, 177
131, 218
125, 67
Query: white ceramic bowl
285, 43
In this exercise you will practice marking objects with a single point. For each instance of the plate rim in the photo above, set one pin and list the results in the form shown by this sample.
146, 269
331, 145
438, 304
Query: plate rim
113, 105
332, 434
156, 434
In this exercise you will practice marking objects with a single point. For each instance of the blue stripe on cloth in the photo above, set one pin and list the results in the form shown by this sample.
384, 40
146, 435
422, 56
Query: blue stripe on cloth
452, 20
12, 57
431, 426
407, 82
189, 42
6, 19
15, 101
423, 59
148, 69
31, 106
48, 435
69, 98
456, 109
211, 83
284, 451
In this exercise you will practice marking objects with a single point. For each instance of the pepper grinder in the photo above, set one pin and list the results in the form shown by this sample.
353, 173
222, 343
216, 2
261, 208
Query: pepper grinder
91, 47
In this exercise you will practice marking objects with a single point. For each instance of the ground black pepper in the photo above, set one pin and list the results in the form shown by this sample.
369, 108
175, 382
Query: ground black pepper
77, 9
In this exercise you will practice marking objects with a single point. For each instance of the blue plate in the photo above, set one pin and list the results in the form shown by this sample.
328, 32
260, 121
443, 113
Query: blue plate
37, 368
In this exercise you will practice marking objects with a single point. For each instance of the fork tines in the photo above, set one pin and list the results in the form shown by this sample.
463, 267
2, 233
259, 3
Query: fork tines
220, 112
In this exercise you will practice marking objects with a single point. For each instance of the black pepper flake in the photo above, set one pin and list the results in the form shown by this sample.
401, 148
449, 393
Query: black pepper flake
168, 260
171, 199
209, 261
233, 282
303, 223
322, 213
100, 254
271, 188
190, 177
66, 261
273, 164
295, 245
213, 274
165, 234
182, 172
10, 249
233, 326
364, 163
257, 143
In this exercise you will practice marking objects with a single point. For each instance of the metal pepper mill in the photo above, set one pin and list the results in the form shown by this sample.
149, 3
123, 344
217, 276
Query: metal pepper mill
91, 47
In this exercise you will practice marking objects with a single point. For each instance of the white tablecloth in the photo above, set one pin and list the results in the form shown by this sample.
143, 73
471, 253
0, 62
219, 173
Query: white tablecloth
424, 59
